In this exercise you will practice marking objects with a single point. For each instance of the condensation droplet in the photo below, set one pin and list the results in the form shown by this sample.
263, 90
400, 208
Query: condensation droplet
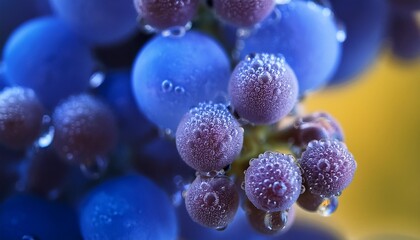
96, 79
46, 138
328, 206
177, 32
166, 86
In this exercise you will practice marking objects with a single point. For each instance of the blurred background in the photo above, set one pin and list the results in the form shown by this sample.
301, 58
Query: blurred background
380, 116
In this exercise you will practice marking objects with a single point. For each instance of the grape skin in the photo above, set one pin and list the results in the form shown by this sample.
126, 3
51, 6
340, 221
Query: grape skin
263, 88
20, 117
209, 138
328, 167
163, 14
243, 13
273, 182
84, 128
212, 202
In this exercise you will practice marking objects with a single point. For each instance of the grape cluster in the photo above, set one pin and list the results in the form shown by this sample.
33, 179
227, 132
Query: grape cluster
121, 144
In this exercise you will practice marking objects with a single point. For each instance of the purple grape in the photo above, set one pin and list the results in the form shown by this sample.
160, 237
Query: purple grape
243, 13
212, 202
84, 127
328, 167
263, 88
273, 182
20, 117
163, 14
309, 201
208, 137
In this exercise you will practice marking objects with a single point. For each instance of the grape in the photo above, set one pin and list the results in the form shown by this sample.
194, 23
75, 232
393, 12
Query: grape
208, 137
172, 75
20, 117
263, 88
405, 36
243, 13
309, 201
44, 173
84, 127
15, 12
100, 22
328, 167
305, 33
163, 14
212, 202
26, 215
55, 67
364, 35
315, 126
129, 207
273, 182
163, 167
116, 90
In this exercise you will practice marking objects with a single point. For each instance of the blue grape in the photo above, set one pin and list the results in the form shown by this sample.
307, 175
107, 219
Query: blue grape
328, 167
212, 202
100, 22
365, 23
21, 116
273, 182
263, 88
164, 14
172, 75
55, 66
208, 137
117, 92
243, 13
26, 215
84, 128
129, 207
305, 33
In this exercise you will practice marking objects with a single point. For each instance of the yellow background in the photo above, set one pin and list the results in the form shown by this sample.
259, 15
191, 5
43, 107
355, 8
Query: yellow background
380, 115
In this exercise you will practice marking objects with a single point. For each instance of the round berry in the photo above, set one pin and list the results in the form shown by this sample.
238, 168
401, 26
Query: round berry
163, 14
208, 137
20, 117
273, 182
328, 167
243, 13
263, 88
212, 202
84, 127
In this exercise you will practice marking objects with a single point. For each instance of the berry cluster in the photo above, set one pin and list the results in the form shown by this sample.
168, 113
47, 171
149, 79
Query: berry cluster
100, 117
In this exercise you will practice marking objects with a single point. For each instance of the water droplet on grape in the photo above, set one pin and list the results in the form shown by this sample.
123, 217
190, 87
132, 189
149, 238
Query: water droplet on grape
94, 168
328, 206
96, 79
177, 32
46, 138
179, 90
275, 221
166, 86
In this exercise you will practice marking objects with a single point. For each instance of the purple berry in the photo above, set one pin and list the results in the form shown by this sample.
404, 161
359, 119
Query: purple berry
163, 14
208, 137
212, 202
21, 116
273, 182
328, 167
263, 88
84, 128
243, 13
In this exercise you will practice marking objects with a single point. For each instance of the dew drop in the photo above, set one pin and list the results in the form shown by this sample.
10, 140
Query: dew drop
221, 228
179, 90
211, 199
96, 79
46, 138
324, 165
94, 168
176, 32
341, 34
328, 206
166, 86
279, 188
275, 221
